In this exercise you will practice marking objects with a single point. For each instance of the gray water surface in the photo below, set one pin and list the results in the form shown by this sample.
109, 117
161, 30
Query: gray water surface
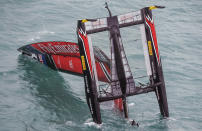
36, 98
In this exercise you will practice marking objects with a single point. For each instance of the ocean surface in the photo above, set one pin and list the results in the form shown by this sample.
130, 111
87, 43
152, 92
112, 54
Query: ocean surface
36, 98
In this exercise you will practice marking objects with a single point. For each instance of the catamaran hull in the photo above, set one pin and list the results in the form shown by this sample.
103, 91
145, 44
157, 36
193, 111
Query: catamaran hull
122, 83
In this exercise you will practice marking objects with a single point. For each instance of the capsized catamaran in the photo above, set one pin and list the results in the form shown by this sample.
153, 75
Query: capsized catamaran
94, 65
122, 83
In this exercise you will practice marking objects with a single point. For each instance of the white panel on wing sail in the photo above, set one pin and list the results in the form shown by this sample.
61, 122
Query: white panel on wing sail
127, 70
130, 17
145, 48
99, 23
93, 60
113, 64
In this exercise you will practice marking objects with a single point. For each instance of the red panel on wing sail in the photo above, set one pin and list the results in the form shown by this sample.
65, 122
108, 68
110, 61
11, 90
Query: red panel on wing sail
68, 63
57, 48
84, 38
103, 72
73, 65
66, 57
119, 104
153, 32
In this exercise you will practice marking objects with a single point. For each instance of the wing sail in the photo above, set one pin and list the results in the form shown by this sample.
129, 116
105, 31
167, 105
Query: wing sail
65, 57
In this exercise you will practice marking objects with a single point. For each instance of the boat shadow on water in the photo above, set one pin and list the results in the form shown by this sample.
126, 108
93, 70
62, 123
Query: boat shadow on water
51, 92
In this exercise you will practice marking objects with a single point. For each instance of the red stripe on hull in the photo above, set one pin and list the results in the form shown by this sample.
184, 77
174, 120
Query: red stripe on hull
119, 104
153, 32
87, 50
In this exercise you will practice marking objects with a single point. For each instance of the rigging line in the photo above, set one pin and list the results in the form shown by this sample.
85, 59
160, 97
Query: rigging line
101, 90
103, 85
140, 77
138, 68
141, 83
105, 92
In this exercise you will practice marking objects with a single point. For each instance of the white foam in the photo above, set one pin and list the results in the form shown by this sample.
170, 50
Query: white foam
38, 35
171, 119
45, 32
35, 38
69, 123
92, 124
131, 104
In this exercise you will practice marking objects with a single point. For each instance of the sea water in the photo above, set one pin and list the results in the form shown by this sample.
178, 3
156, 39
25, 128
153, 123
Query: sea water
36, 98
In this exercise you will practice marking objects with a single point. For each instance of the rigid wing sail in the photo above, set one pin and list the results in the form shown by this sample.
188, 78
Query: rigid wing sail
122, 83
65, 57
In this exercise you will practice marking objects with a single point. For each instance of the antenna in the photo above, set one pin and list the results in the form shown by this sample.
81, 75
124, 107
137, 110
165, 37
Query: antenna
106, 6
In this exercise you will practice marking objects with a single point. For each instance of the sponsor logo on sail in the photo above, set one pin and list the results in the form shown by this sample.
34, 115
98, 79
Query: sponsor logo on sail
83, 62
150, 48
54, 49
